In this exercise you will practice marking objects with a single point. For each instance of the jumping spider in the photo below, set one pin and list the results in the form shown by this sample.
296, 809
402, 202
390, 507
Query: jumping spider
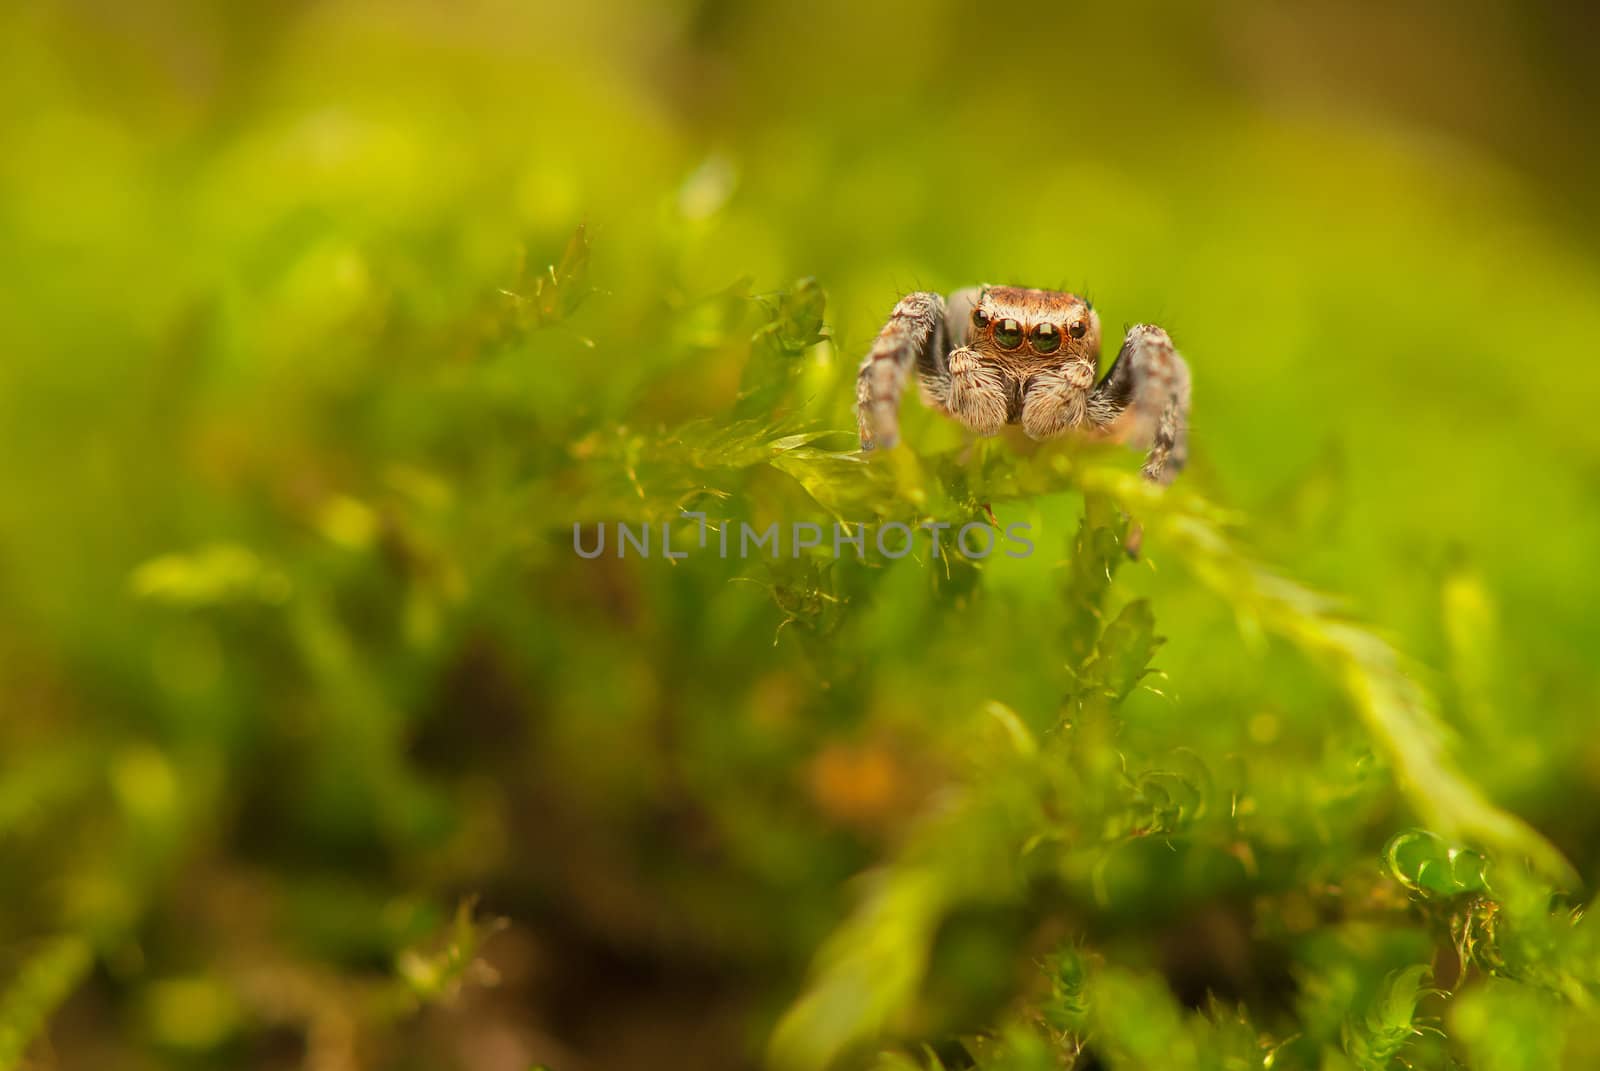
999, 355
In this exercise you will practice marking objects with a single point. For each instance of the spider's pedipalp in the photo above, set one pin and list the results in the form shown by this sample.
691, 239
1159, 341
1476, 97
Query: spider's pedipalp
1056, 399
978, 394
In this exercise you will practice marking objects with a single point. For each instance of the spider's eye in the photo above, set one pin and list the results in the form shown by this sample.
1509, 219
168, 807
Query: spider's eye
1045, 338
980, 318
1008, 334
1078, 328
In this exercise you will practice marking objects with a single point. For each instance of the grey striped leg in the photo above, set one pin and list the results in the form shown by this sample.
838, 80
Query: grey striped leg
914, 336
1144, 401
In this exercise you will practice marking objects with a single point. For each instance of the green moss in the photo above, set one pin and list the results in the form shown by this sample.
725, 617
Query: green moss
323, 337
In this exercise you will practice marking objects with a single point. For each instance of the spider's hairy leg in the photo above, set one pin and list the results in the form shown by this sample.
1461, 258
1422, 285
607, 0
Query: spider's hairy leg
1144, 401
914, 335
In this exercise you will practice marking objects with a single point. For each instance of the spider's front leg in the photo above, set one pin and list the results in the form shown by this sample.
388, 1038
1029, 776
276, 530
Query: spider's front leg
914, 335
919, 335
1144, 401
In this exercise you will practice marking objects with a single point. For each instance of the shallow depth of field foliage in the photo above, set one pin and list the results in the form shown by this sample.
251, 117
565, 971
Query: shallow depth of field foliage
323, 324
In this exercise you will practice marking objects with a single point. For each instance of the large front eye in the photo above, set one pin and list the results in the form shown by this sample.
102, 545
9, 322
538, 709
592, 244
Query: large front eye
980, 318
1008, 334
1045, 338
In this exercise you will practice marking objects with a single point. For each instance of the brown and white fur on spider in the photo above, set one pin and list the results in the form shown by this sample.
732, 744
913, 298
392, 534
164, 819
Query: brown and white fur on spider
997, 355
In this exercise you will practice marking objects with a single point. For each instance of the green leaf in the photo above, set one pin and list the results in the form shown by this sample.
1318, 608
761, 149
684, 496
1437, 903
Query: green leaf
1125, 648
1377, 1038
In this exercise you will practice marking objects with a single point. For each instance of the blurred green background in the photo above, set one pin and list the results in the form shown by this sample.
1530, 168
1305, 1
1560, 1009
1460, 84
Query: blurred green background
298, 665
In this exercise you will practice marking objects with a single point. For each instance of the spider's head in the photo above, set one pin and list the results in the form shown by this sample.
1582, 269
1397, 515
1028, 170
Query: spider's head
1031, 329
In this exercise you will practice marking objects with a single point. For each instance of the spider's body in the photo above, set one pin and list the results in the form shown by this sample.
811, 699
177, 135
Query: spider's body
1000, 355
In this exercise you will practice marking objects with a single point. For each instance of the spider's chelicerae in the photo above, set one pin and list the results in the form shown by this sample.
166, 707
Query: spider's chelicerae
997, 355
